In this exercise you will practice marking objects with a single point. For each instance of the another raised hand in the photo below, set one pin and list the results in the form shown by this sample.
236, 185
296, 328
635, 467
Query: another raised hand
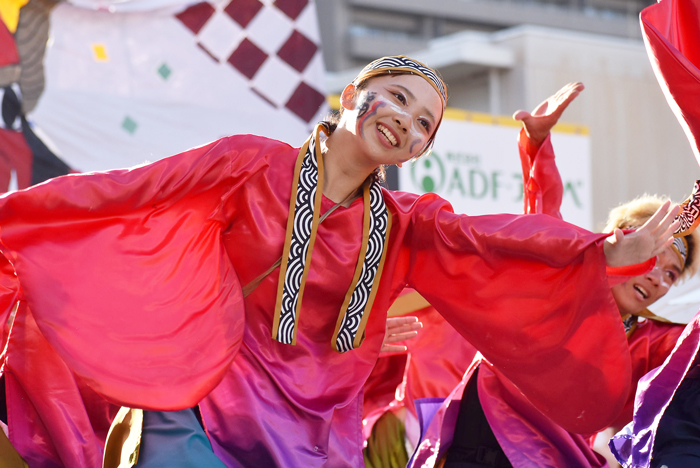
399, 329
646, 242
539, 123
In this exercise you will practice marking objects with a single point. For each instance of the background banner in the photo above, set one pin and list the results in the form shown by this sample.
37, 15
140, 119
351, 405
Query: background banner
129, 82
475, 165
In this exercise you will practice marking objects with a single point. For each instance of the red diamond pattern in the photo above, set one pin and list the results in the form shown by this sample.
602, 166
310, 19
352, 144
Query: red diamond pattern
243, 11
196, 16
247, 58
291, 8
297, 51
305, 102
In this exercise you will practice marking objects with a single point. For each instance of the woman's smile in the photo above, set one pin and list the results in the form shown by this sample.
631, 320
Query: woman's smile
388, 135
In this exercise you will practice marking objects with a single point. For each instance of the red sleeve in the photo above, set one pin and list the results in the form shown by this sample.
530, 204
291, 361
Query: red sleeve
439, 356
542, 185
48, 406
126, 276
649, 346
670, 31
531, 293
8, 47
9, 295
380, 388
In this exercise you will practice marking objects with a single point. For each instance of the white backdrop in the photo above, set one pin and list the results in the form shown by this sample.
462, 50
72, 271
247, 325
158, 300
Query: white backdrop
136, 81
475, 165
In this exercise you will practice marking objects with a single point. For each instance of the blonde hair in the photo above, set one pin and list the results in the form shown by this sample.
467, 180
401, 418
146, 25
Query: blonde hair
636, 212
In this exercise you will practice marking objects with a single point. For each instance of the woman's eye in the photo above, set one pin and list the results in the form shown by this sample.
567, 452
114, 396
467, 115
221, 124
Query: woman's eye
400, 97
425, 124
671, 276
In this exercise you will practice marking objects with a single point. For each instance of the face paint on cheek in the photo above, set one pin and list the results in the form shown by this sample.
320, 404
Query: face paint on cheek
362, 117
413, 145
364, 105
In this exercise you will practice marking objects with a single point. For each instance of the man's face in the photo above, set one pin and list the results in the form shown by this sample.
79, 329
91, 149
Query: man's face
636, 294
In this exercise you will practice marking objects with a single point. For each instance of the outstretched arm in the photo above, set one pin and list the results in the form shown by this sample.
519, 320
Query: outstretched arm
540, 122
542, 185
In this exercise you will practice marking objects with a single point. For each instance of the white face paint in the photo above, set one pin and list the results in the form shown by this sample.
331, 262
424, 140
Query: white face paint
395, 116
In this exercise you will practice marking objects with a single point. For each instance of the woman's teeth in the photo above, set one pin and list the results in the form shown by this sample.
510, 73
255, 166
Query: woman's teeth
641, 291
385, 131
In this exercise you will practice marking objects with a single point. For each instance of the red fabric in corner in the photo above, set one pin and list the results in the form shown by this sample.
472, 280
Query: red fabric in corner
8, 48
671, 33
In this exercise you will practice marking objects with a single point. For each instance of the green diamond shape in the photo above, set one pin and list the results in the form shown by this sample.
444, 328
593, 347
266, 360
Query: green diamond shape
129, 125
164, 71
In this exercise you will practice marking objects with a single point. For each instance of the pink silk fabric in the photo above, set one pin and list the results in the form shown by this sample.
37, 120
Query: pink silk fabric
672, 38
439, 357
133, 280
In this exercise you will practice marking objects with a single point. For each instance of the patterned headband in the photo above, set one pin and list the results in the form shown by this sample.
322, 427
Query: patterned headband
680, 246
386, 65
689, 218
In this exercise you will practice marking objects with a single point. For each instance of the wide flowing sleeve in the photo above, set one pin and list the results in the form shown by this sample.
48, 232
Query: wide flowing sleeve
542, 186
672, 39
531, 294
126, 276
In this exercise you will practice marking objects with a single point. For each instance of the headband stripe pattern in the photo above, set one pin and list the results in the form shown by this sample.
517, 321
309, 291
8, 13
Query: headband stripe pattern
401, 62
681, 248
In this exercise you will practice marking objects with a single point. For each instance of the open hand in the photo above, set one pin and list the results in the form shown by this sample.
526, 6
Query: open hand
538, 123
646, 242
399, 329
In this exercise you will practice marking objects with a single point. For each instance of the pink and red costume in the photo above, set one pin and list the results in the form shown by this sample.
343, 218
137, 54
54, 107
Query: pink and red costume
133, 276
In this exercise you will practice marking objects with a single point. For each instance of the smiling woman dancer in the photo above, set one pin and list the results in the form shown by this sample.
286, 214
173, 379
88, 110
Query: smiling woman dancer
155, 318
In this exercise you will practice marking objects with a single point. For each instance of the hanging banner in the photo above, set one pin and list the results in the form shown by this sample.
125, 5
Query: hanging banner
137, 80
475, 166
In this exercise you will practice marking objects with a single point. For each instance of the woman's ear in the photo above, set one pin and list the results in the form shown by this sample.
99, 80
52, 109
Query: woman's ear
347, 98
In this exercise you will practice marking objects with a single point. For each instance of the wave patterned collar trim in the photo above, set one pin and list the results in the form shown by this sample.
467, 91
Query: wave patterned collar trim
302, 226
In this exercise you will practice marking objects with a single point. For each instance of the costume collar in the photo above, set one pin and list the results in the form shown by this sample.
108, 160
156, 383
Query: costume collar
302, 226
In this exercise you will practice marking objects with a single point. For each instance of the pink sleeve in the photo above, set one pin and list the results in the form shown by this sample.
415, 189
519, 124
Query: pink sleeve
512, 286
126, 275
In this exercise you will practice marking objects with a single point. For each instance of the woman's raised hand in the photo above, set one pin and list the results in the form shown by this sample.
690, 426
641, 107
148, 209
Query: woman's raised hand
399, 329
538, 123
646, 242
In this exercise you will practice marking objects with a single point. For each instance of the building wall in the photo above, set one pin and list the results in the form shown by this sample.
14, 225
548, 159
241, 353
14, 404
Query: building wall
357, 30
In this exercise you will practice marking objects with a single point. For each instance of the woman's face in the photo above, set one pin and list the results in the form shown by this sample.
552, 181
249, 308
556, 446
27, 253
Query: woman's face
393, 117
636, 294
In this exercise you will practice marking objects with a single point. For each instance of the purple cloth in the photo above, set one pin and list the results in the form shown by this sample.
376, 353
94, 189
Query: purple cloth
633, 445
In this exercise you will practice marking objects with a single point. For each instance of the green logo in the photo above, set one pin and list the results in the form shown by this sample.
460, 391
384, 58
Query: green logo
428, 173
